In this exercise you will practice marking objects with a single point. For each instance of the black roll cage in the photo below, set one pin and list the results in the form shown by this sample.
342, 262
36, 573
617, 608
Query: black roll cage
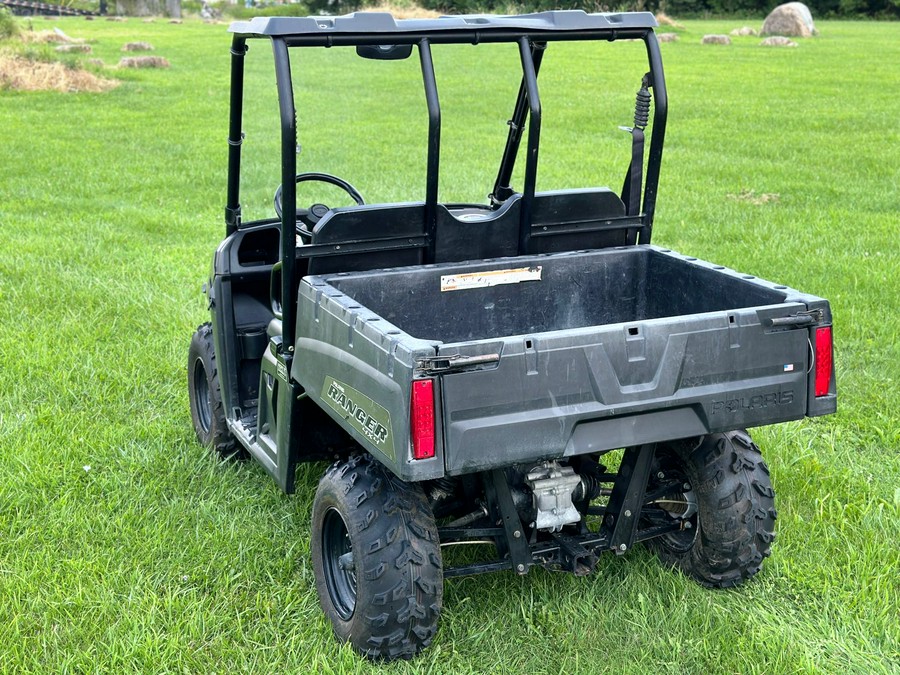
531, 32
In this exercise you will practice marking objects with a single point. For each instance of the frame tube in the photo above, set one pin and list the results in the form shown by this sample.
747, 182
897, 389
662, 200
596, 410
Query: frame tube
502, 188
434, 145
288, 189
235, 136
660, 112
529, 77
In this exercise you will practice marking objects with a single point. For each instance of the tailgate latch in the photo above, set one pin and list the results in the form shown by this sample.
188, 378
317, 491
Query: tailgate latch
434, 365
804, 319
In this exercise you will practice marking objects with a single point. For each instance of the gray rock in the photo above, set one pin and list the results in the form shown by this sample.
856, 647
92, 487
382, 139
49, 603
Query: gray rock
792, 19
715, 40
778, 41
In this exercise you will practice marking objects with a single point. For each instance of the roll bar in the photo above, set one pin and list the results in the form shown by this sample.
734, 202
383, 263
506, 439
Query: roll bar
532, 33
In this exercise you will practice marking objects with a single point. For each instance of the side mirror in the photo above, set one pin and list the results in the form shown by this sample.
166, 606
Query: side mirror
384, 52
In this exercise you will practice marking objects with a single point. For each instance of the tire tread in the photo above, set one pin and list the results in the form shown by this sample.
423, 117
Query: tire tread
400, 576
736, 510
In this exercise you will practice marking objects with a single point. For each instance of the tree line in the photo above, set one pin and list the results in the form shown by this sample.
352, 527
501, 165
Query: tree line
679, 9
821, 9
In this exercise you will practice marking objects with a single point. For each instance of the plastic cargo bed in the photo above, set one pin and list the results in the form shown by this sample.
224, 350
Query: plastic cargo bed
561, 354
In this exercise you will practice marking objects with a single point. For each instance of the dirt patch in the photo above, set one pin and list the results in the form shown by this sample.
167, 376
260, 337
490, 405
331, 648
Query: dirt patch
26, 75
752, 197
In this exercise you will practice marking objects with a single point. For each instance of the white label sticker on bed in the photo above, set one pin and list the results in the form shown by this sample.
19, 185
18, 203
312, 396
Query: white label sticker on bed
462, 282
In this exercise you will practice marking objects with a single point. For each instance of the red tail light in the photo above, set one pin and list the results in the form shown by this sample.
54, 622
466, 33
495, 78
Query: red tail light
823, 360
421, 418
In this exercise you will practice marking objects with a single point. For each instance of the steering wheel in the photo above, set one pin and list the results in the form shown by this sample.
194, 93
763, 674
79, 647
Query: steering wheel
307, 218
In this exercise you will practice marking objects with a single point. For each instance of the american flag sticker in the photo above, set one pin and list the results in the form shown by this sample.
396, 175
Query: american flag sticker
788, 367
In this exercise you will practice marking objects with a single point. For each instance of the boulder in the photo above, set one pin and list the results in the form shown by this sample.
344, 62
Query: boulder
791, 19
715, 40
778, 41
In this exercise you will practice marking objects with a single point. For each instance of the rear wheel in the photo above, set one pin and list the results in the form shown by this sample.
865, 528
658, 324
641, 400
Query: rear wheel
207, 410
722, 497
377, 560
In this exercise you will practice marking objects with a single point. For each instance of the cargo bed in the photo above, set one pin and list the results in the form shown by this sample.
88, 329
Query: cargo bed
558, 355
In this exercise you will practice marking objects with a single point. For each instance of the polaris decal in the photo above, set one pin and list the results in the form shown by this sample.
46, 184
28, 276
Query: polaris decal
361, 413
732, 405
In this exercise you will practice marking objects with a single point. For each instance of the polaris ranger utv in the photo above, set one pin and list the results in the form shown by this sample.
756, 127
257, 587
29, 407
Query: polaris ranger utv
467, 367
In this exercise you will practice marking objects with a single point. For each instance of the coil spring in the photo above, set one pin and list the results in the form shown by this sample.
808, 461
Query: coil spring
642, 108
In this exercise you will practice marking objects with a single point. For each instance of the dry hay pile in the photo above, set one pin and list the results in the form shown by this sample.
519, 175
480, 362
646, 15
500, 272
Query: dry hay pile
137, 47
47, 37
73, 49
26, 75
664, 19
143, 62
405, 12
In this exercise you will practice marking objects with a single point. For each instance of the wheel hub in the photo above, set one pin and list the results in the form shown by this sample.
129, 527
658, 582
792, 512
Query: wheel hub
339, 566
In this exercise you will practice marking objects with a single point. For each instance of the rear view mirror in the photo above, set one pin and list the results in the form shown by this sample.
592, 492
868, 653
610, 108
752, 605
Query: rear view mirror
384, 52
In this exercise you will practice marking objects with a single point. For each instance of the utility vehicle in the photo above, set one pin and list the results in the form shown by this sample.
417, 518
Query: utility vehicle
469, 369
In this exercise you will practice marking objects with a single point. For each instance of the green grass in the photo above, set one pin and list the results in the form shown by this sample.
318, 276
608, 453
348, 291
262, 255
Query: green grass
125, 548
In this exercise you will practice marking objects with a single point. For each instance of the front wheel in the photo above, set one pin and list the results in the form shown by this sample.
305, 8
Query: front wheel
377, 559
721, 496
207, 409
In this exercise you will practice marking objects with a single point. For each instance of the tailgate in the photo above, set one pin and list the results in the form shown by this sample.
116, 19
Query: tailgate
586, 390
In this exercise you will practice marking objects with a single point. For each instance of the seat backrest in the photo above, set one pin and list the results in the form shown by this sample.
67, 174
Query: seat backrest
580, 209
491, 236
360, 223
562, 220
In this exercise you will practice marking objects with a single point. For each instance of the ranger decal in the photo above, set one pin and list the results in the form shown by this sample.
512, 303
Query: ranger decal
361, 413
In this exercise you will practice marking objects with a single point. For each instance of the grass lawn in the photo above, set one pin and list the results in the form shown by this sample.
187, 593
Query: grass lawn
124, 547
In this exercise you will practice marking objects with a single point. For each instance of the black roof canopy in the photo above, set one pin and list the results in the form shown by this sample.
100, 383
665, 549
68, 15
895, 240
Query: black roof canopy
551, 25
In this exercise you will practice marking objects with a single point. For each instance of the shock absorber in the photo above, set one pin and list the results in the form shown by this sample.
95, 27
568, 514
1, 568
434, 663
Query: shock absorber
642, 104
631, 190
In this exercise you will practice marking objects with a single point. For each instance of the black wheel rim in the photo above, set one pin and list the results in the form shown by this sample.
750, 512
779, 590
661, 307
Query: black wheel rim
201, 396
340, 581
679, 505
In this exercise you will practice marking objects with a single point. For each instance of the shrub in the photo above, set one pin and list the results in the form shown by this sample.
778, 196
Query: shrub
9, 28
